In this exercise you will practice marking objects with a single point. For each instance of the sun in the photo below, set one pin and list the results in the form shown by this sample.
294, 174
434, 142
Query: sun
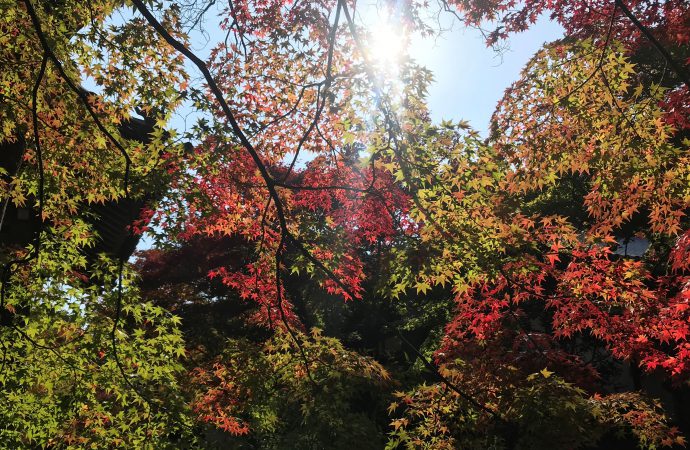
387, 44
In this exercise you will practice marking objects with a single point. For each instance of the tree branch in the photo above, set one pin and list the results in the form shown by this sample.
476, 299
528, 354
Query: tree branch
680, 71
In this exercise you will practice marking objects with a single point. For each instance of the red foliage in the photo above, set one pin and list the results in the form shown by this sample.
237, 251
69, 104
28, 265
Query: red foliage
669, 20
222, 397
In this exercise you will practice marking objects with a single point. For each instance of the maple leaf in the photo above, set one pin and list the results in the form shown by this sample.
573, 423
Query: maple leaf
545, 373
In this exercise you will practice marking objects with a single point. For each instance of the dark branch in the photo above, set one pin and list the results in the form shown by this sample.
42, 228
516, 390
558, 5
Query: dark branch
429, 365
680, 71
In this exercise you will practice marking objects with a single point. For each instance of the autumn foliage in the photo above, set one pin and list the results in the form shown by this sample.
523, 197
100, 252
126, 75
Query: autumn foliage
330, 268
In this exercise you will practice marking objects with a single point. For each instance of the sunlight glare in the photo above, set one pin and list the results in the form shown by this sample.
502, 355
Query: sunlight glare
387, 45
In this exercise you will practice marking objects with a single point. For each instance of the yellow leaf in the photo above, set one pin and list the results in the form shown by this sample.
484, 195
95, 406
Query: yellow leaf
546, 373
422, 287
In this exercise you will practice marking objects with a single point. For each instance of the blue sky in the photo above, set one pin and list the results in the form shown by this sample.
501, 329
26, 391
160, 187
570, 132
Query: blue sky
469, 77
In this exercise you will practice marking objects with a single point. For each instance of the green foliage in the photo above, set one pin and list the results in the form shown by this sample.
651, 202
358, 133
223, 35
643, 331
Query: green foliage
541, 411
285, 395
66, 382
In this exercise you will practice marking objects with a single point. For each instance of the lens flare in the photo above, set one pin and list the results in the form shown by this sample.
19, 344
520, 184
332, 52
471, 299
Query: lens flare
387, 44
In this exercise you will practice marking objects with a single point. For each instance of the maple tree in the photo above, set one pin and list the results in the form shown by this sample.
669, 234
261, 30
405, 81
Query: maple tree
333, 268
558, 294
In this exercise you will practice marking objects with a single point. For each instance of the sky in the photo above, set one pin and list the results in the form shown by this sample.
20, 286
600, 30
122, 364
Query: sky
469, 77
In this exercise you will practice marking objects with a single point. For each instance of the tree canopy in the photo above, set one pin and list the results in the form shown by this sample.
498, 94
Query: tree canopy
331, 267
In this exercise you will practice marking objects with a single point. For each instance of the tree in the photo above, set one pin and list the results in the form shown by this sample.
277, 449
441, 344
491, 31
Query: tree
547, 290
510, 246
